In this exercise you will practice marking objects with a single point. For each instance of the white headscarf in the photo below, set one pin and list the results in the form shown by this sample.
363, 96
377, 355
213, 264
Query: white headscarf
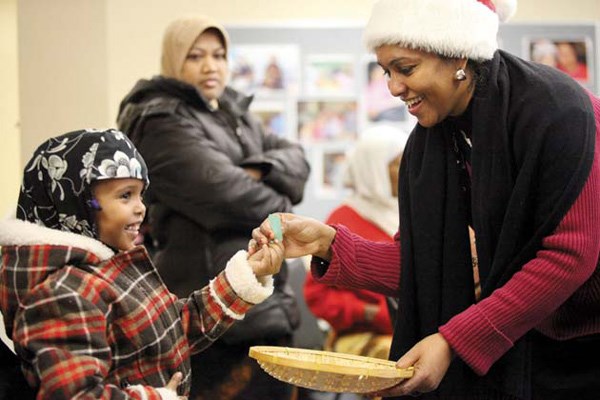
367, 174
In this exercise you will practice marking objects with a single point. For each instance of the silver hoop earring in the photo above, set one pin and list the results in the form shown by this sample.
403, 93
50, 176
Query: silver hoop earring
460, 75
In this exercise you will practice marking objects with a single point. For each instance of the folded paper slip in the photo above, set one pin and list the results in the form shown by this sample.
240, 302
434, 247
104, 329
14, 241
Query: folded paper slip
276, 226
328, 371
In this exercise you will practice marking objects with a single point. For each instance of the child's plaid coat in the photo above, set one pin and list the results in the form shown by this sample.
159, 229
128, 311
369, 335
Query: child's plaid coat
91, 324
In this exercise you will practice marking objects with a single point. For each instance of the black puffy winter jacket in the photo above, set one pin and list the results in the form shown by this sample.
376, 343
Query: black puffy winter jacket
202, 204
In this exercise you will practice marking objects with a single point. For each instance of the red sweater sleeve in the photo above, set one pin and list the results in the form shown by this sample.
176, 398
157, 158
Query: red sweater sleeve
568, 258
362, 264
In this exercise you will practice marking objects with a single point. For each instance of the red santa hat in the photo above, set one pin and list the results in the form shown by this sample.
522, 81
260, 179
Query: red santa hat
452, 28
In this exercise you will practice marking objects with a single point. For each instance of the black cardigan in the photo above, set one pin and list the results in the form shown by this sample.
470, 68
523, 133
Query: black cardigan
533, 134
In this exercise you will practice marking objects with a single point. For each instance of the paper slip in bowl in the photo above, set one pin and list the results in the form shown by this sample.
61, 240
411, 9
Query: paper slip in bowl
327, 371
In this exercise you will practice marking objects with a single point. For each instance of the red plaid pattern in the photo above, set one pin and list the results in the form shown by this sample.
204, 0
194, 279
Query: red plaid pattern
87, 328
230, 298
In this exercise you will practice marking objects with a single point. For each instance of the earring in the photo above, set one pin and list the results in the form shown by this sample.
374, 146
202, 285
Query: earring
94, 205
460, 75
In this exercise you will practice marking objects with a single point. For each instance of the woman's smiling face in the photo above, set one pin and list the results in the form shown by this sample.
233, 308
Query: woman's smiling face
425, 82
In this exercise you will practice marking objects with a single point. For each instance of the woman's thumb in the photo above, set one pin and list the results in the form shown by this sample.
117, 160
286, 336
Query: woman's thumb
408, 359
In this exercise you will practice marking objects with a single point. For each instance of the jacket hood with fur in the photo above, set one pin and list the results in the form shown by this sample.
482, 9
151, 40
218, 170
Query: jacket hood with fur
17, 238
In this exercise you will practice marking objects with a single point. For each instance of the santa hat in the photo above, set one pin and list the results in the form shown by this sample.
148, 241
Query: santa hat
452, 28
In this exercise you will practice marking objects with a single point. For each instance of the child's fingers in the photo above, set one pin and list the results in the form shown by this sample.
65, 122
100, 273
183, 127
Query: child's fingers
262, 234
279, 251
175, 381
252, 247
258, 254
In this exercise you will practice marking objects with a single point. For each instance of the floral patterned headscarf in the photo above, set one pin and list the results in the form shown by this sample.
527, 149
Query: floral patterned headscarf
57, 182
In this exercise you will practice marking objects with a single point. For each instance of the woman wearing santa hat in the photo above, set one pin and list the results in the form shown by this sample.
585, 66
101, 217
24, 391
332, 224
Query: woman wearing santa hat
506, 156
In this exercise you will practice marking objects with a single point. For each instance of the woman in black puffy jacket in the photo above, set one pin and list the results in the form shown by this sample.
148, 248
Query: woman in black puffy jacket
215, 175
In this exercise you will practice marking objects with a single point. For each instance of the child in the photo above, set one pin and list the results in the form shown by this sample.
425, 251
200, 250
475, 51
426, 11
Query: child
88, 313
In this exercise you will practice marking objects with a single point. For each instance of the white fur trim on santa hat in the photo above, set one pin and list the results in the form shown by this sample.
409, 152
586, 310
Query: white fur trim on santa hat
505, 9
457, 28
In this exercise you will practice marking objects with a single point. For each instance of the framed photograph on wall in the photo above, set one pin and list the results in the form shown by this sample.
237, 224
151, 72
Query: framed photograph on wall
274, 115
328, 161
330, 75
265, 70
334, 162
327, 120
378, 102
572, 55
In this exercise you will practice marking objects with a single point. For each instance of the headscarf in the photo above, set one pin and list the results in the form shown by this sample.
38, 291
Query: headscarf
368, 175
57, 182
179, 37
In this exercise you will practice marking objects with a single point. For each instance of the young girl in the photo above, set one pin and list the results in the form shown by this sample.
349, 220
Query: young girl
88, 313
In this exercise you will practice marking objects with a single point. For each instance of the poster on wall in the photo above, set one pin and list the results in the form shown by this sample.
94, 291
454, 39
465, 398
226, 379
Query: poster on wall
327, 121
330, 75
265, 70
572, 56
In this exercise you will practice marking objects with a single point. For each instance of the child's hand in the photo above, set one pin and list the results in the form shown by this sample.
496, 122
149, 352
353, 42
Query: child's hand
301, 236
174, 383
267, 260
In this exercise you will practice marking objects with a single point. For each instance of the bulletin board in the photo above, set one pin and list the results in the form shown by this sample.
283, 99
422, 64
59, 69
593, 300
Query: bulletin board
317, 85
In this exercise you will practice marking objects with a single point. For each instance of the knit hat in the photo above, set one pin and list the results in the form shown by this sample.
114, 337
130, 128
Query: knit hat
179, 37
57, 183
451, 28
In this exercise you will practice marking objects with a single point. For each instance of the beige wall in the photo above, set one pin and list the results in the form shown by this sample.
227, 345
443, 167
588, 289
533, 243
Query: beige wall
558, 10
77, 58
9, 107
63, 58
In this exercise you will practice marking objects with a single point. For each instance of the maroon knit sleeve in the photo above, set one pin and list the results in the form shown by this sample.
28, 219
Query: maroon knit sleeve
362, 264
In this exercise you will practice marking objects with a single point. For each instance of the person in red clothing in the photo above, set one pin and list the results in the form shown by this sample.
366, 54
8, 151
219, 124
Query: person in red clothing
509, 149
360, 319
570, 58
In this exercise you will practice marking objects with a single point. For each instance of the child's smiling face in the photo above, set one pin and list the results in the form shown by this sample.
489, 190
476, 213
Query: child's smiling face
122, 211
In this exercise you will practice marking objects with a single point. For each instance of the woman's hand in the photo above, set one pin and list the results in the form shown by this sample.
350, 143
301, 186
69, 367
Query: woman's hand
301, 236
431, 358
267, 260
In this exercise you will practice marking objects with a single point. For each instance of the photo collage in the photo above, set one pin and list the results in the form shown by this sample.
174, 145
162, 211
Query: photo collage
319, 86
323, 101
